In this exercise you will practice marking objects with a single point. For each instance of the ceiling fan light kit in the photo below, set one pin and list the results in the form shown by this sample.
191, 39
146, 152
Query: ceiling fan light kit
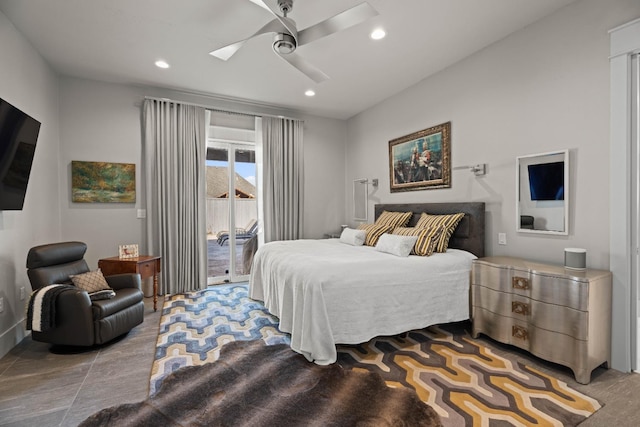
287, 38
284, 43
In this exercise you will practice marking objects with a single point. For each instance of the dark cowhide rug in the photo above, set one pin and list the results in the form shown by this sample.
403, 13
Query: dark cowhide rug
253, 384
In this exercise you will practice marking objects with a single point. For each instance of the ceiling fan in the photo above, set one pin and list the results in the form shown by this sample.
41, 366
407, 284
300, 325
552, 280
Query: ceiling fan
287, 37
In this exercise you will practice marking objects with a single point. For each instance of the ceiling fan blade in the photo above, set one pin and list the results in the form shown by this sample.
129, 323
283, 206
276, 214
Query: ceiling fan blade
339, 22
261, 4
227, 51
286, 23
304, 67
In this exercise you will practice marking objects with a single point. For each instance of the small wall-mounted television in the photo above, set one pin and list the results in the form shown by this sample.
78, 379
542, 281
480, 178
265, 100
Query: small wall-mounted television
18, 137
546, 181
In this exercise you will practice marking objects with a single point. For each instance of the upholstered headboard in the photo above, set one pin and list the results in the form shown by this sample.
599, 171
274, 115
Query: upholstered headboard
469, 234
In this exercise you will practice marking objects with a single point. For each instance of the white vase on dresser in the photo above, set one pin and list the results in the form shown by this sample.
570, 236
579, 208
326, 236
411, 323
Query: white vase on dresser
557, 314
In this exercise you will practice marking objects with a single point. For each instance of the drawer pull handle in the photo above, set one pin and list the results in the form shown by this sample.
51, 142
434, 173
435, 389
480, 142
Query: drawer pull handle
520, 283
518, 307
519, 332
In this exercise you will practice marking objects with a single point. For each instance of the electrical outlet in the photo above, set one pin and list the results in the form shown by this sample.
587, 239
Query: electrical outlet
502, 238
1, 304
23, 294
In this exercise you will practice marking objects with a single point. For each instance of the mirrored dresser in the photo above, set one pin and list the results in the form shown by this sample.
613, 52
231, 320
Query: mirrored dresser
557, 314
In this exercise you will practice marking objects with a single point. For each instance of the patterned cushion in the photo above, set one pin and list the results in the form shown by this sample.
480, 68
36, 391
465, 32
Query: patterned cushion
449, 222
394, 219
374, 231
92, 281
428, 238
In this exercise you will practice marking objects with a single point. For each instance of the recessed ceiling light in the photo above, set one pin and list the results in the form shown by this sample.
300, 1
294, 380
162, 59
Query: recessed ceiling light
378, 34
310, 93
162, 64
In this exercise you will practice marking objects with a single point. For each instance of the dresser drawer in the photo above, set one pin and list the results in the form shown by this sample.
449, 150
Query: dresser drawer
553, 346
566, 291
551, 317
147, 269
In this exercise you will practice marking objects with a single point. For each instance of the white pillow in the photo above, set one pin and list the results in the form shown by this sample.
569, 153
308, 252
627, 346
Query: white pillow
396, 245
353, 237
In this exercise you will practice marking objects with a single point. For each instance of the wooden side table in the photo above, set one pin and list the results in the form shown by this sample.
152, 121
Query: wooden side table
144, 265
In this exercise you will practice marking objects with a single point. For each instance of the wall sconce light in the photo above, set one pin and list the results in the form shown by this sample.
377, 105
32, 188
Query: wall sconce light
479, 169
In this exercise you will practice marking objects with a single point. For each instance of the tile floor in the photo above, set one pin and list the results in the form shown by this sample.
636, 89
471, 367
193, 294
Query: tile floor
41, 388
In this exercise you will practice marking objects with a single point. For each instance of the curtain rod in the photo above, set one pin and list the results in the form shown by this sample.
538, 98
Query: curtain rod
220, 110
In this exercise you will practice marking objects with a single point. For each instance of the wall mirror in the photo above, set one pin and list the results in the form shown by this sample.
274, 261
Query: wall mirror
542, 199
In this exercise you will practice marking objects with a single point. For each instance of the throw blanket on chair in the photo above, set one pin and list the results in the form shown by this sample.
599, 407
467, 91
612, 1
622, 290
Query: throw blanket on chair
41, 311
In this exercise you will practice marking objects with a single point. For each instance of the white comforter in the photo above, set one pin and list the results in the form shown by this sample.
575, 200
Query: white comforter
327, 293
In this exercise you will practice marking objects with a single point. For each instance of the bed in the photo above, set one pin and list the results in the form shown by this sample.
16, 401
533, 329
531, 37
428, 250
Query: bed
326, 292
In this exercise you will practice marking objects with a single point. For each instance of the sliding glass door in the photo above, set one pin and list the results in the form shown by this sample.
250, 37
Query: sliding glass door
232, 210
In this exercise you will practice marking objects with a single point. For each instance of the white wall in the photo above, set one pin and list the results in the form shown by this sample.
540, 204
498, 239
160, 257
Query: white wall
27, 82
541, 89
101, 122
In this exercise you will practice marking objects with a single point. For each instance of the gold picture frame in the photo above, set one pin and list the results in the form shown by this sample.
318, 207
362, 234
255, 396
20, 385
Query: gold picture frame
421, 160
127, 251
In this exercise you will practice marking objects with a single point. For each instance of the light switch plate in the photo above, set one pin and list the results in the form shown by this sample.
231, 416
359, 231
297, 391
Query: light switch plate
502, 238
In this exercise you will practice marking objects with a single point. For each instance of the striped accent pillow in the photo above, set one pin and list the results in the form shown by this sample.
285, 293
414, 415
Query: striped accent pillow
428, 238
394, 219
374, 231
449, 222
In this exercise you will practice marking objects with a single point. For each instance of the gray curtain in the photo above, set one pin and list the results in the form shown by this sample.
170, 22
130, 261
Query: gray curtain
283, 185
174, 150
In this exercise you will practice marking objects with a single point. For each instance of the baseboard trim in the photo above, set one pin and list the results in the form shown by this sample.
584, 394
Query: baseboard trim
12, 337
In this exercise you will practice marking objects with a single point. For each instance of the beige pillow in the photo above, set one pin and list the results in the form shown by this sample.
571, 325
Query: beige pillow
374, 231
91, 281
428, 238
393, 219
449, 222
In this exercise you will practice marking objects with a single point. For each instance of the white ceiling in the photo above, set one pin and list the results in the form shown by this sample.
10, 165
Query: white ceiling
119, 41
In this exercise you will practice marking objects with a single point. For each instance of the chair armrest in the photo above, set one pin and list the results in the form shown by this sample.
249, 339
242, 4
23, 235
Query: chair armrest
121, 281
74, 321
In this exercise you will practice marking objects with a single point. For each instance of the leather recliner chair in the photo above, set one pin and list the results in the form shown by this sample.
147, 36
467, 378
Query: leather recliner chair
78, 320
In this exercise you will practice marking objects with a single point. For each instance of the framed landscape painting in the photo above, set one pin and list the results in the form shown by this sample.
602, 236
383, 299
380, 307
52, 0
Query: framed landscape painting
101, 182
421, 160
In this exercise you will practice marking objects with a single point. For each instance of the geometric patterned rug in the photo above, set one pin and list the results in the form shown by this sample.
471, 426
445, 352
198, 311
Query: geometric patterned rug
194, 326
463, 379
466, 382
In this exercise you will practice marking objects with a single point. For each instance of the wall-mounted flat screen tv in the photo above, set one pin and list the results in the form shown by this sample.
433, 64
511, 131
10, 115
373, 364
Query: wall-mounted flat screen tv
546, 181
18, 137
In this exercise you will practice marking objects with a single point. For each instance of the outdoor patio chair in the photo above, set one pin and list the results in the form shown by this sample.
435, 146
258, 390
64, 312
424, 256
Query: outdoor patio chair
241, 233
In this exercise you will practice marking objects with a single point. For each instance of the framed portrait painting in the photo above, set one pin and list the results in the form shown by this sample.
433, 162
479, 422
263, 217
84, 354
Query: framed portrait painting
421, 160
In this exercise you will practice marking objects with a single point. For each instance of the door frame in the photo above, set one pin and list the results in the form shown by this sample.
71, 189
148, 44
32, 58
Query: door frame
624, 43
231, 146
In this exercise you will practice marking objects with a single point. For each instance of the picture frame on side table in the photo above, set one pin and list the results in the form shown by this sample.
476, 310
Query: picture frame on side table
127, 251
421, 160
